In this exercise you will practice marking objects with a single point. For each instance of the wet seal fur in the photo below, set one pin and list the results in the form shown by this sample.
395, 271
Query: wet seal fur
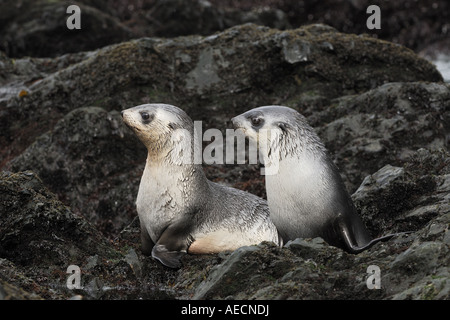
180, 210
307, 197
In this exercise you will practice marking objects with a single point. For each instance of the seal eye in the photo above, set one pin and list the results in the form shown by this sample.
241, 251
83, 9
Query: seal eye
146, 117
256, 122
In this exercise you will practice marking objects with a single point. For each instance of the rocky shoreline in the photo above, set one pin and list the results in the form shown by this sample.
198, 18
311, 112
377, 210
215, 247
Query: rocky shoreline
71, 168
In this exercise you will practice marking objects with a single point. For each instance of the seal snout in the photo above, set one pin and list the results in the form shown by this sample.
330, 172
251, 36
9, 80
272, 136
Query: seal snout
236, 122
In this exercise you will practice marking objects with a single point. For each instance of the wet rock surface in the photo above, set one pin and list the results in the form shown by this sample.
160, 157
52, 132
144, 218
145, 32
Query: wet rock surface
212, 77
94, 164
27, 31
71, 169
38, 244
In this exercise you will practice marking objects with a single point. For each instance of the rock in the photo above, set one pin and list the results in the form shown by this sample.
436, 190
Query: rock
163, 18
79, 166
236, 276
38, 28
408, 197
17, 75
383, 126
264, 16
351, 17
171, 18
133, 260
305, 248
93, 163
40, 238
411, 266
381, 110
417, 262
10, 292
27, 25
40, 234
15, 285
246, 66
36, 226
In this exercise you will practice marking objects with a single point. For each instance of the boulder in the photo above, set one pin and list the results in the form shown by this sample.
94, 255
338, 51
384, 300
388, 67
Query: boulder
93, 162
382, 126
40, 238
210, 77
71, 169
38, 29
411, 266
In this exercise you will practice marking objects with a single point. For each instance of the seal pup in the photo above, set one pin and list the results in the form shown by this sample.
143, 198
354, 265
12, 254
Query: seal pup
306, 195
180, 210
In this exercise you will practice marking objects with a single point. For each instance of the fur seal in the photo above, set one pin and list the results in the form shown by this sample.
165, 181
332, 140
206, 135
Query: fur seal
180, 210
306, 196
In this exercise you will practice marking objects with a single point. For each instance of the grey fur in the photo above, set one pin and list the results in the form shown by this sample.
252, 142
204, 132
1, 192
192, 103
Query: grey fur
307, 197
178, 206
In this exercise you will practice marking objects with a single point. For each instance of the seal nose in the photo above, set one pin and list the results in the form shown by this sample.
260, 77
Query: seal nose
122, 112
234, 122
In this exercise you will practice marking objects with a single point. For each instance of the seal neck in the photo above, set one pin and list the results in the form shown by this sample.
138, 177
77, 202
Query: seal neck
167, 171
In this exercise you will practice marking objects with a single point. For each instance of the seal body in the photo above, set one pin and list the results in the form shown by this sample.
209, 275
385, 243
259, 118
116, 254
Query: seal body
180, 210
305, 192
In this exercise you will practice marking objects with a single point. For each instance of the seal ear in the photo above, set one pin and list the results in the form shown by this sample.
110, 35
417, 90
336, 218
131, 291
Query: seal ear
283, 126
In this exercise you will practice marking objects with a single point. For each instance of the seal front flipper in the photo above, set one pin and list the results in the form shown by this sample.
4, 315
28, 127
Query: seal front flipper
172, 245
171, 259
146, 242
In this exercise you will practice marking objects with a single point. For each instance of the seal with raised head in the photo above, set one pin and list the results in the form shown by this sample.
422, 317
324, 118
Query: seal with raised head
180, 210
306, 195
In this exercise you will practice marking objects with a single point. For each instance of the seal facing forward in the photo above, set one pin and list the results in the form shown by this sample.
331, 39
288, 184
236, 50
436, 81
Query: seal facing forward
305, 192
180, 210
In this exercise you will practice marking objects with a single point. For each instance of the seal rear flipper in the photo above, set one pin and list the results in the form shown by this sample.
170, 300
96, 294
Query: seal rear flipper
351, 245
344, 238
355, 249
381, 239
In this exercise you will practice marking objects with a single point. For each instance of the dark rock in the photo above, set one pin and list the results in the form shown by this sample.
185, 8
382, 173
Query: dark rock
420, 272
17, 75
382, 126
38, 28
36, 226
236, 275
41, 235
411, 266
380, 109
247, 66
90, 155
405, 199
171, 18
15, 285
419, 25
416, 24
40, 238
